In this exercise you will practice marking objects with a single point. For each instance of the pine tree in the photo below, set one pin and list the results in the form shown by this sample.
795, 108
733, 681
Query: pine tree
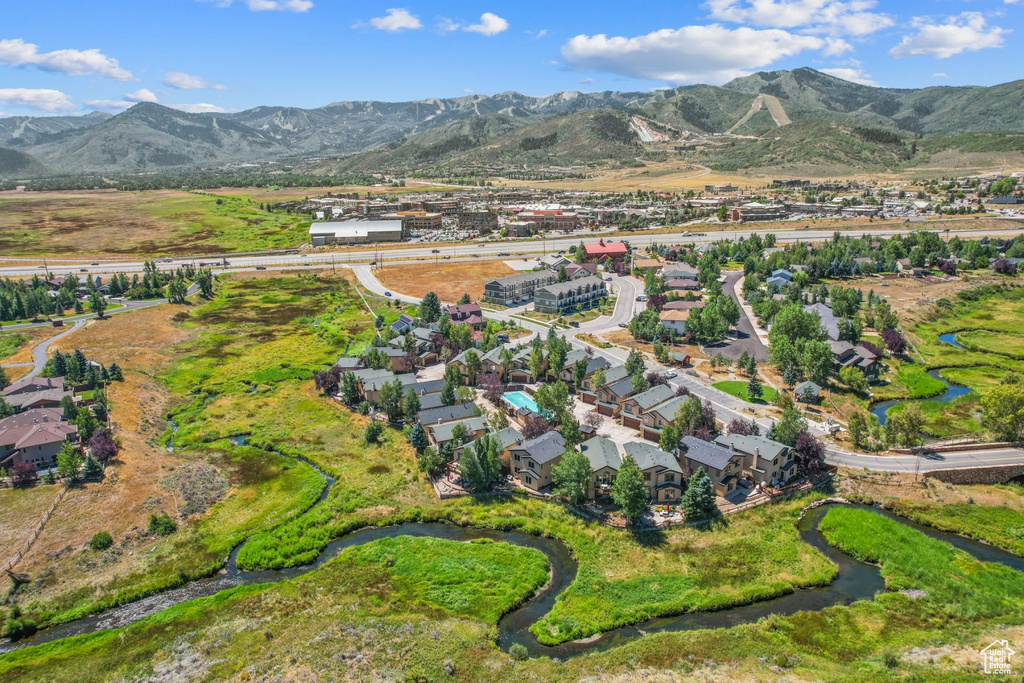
629, 491
418, 438
570, 478
68, 460
699, 500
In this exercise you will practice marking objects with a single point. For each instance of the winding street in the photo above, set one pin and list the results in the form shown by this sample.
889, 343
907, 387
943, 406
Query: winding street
726, 406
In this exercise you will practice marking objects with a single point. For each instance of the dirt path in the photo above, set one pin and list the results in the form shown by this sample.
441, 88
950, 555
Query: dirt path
776, 110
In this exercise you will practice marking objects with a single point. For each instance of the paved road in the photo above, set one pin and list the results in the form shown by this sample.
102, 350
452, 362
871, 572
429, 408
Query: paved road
745, 338
784, 232
40, 351
728, 407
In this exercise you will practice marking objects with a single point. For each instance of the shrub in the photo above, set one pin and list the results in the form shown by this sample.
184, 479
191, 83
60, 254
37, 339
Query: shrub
162, 525
517, 651
373, 433
101, 541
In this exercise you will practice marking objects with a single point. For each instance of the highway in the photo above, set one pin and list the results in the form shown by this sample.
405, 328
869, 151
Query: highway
784, 232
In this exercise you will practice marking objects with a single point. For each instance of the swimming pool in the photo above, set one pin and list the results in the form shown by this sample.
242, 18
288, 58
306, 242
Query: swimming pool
520, 399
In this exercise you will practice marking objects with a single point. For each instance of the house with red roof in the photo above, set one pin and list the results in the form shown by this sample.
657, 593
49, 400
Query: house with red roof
601, 250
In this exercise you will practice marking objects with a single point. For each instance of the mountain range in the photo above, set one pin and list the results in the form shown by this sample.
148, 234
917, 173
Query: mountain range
763, 120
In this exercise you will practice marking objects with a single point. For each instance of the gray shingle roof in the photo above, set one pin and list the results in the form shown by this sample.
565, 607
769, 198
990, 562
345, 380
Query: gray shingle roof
707, 453
648, 456
544, 448
653, 396
601, 452
766, 448
459, 411
572, 286
443, 432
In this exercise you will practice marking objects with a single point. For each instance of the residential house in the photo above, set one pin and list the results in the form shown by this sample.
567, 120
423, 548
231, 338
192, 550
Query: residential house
588, 391
554, 261
682, 305
680, 271
663, 475
768, 462
490, 363
467, 314
723, 465
520, 366
635, 407
675, 320
658, 416
35, 392
506, 438
681, 285
423, 345
571, 296
847, 355
829, 322
510, 289
440, 434
611, 396
349, 363
532, 460
34, 436
647, 264
403, 324
594, 363
453, 413
397, 357
429, 393
576, 271
605, 462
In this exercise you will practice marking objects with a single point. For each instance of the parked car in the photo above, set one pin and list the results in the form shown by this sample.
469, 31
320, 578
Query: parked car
641, 298
670, 375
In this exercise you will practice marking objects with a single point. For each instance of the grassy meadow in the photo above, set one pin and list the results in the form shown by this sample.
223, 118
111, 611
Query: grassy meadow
163, 222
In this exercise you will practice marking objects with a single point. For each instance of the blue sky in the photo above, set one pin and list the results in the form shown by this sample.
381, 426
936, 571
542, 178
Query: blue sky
74, 56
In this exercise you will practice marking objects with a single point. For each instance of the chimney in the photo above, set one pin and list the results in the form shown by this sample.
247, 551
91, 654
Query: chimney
45, 418
757, 452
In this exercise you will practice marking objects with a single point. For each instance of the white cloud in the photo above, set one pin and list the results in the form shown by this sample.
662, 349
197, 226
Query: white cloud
940, 75
689, 54
141, 95
16, 52
270, 5
830, 16
395, 20
44, 100
200, 108
490, 25
968, 32
184, 81
537, 35
130, 99
468, 91
446, 25
855, 75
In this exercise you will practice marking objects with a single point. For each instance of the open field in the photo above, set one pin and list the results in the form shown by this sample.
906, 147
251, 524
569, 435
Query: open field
169, 222
23, 510
16, 347
449, 280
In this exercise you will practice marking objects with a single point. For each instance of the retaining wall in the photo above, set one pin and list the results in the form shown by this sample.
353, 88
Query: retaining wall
997, 474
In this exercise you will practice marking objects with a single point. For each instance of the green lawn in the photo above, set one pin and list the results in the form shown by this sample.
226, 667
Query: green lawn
738, 388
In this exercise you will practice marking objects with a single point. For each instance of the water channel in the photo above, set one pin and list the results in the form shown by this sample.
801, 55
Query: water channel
953, 391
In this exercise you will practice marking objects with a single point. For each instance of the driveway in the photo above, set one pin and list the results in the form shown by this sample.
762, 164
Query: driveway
745, 336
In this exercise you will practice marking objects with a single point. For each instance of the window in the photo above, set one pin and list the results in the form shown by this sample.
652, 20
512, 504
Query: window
647, 476
529, 480
516, 457
670, 477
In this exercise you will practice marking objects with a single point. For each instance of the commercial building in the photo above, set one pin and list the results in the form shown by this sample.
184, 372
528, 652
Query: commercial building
416, 221
521, 228
552, 219
356, 232
601, 250
484, 221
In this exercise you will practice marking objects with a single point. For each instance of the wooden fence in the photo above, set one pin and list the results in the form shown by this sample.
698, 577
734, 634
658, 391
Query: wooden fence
35, 533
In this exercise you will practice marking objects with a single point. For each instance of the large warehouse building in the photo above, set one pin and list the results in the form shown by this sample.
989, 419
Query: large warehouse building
355, 232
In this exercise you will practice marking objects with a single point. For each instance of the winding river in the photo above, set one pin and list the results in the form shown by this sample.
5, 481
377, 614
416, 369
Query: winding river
855, 581
953, 391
